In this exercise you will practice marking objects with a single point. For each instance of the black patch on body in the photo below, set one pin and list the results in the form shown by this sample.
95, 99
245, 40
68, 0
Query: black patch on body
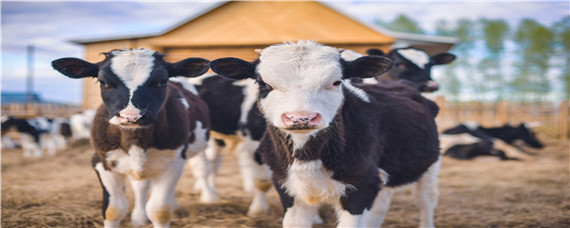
224, 100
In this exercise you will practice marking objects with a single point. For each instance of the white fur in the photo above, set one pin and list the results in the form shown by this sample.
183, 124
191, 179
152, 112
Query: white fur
417, 57
350, 55
137, 159
81, 124
160, 169
346, 219
140, 189
370, 81
448, 140
357, 91
312, 183
186, 84
380, 207
184, 103
301, 75
200, 142
198, 80
471, 125
118, 203
250, 91
426, 194
299, 215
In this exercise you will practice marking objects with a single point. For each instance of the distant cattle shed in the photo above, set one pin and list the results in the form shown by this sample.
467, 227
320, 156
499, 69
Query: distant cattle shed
236, 28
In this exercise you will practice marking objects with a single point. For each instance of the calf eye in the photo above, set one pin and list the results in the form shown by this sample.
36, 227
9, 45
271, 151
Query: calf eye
336, 83
104, 85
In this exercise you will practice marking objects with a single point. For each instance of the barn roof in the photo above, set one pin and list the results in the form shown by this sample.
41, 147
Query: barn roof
401, 38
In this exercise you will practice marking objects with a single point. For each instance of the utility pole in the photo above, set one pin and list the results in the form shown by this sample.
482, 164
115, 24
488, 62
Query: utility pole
30, 81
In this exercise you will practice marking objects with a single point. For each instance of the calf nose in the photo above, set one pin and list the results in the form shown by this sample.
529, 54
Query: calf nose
300, 119
431, 86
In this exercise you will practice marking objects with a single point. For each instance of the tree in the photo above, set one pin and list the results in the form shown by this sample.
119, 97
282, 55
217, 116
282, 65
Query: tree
561, 32
450, 82
402, 23
495, 32
535, 47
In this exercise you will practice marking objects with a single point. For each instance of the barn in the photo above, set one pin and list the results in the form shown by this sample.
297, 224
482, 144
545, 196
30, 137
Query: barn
237, 28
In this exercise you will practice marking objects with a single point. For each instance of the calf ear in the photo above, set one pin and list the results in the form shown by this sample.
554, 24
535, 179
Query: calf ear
233, 68
366, 67
375, 51
442, 58
75, 68
190, 67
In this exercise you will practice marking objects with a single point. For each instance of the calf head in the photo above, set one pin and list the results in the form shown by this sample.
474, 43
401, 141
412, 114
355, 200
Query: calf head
133, 81
414, 65
527, 136
300, 83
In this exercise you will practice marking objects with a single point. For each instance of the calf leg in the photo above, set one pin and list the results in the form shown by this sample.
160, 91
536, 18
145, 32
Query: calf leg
355, 206
140, 188
255, 176
161, 204
427, 193
380, 207
201, 170
115, 202
299, 214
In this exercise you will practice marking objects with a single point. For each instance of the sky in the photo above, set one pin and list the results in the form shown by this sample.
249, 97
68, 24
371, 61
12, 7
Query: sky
49, 25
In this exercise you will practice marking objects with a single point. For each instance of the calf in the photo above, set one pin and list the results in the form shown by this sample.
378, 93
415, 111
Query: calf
236, 125
413, 65
38, 134
145, 130
331, 142
489, 141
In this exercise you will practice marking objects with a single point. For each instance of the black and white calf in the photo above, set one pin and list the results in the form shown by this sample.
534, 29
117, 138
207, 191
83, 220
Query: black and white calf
413, 65
469, 139
332, 142
38, 134
238, 126
144, 131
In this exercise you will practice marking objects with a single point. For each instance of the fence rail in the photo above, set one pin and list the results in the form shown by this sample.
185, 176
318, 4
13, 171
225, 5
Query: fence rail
29, 110
553, 118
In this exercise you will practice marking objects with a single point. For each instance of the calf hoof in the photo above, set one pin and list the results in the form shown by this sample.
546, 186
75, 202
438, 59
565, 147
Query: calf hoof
257, 211
208, 197
139, 219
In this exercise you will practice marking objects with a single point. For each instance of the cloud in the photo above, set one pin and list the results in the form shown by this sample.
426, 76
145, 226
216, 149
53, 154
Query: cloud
48, 25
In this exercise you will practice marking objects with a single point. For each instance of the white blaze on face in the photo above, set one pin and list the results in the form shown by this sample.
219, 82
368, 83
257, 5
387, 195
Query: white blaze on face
417, 57
133, 68
302, 76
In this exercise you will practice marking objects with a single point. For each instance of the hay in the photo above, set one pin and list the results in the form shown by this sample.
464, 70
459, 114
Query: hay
63, 191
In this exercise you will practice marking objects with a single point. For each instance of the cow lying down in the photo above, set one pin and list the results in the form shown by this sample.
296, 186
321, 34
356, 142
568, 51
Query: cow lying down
469, 140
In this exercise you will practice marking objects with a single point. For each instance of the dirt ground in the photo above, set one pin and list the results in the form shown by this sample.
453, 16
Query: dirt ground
63, 191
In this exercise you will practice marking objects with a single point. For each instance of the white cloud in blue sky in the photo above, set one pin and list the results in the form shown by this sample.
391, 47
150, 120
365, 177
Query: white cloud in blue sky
48, 25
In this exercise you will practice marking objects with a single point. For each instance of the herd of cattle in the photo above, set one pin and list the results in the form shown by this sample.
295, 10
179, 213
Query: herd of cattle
319, 124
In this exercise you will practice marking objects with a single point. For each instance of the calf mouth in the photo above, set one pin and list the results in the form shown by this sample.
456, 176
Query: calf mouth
301, 128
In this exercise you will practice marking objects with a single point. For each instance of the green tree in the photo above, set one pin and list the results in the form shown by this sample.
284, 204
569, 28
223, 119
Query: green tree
535, 44
402, 23
561, 30
450, 83
494, 32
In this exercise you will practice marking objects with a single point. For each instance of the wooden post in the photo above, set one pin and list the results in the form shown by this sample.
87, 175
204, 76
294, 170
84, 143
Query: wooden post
563, 120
